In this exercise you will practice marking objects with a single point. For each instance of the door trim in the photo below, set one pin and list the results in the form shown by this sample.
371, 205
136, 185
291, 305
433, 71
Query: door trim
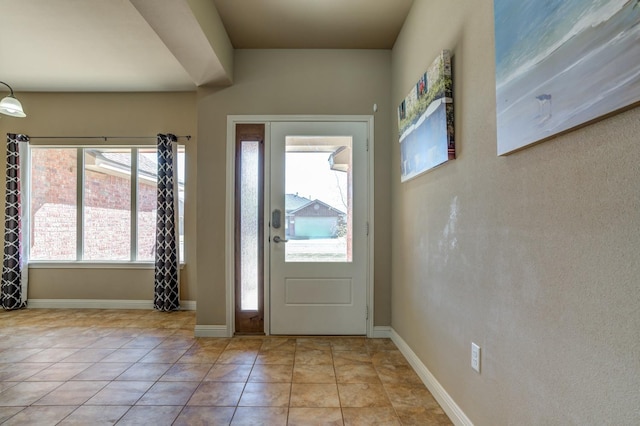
232, 120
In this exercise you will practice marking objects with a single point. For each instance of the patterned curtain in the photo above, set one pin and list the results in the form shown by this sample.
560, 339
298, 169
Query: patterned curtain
13, 292
167, 274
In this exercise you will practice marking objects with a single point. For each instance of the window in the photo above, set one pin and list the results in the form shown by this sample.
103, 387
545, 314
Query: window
96, 203
250, 230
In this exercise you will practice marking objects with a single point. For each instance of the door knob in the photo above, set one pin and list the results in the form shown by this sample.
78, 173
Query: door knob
277, 239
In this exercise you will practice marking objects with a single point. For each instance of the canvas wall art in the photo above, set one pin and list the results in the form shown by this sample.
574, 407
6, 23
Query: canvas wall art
561, 64
425, 120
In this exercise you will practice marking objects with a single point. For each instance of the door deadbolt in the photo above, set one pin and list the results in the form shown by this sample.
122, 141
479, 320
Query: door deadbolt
276, 219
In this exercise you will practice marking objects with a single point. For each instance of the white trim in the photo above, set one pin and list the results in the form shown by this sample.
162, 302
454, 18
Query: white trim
232, 120
185, 305
455, 413
133, 179
275, 118
266, 254
73, 264
211, 331
229, 271
370, 227
381, 332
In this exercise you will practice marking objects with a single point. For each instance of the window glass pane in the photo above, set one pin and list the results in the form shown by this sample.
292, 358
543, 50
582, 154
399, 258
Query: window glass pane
107, 204
53, 204
147, 203
318, 199
181, 188
249, 230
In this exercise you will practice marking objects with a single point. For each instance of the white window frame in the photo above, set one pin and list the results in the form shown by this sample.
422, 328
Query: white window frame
79, 263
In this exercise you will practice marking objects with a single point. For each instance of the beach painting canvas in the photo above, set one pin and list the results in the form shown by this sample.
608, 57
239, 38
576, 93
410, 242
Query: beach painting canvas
561, 64
425, 120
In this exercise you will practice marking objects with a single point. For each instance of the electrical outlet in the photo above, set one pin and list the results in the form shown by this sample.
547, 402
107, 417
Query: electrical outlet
475, 357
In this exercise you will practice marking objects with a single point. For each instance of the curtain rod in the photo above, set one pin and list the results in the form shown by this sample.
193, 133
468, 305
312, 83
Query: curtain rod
105, 138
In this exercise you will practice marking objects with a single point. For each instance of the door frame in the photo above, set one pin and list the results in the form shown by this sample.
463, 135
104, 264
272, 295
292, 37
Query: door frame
232, 120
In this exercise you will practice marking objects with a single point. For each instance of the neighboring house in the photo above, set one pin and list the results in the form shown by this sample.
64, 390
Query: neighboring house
306, 219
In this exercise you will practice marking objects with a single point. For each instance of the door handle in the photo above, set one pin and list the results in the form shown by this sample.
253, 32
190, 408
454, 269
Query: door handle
277, 239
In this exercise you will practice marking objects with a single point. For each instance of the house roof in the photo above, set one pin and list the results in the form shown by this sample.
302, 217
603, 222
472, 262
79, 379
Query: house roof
294, 202
316, 201
145, 165
122, 161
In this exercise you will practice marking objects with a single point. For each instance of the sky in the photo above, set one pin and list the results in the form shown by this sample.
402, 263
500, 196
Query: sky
308, 175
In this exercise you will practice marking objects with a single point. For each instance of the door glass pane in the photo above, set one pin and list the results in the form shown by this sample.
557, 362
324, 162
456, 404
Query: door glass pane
318, 199
53, 203
249, 226
107, 204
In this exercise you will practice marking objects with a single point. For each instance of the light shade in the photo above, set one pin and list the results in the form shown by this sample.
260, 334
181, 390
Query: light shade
11, 106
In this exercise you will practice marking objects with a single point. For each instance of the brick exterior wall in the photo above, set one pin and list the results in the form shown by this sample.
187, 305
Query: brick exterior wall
107, 196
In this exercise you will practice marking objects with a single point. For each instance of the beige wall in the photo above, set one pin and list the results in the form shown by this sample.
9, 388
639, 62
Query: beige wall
110, 114
533, 256
288, 82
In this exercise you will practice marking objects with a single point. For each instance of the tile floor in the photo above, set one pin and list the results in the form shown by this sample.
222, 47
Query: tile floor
103, 367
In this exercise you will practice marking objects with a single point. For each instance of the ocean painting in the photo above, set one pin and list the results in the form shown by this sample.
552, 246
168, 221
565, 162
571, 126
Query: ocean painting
425, 120
561, 64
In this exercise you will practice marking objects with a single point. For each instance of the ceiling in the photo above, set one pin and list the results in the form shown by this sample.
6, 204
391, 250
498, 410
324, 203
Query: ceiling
165, 45
307, 24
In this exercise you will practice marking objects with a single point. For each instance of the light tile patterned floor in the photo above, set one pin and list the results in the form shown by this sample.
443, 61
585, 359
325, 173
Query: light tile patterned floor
103, 367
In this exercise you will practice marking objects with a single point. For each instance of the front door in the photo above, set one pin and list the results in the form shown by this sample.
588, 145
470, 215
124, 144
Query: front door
318, 228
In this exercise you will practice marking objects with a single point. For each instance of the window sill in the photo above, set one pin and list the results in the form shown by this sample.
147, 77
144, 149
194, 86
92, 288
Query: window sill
92, 265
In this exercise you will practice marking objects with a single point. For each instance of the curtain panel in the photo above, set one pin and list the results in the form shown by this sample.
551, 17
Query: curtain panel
13, 287
167, 262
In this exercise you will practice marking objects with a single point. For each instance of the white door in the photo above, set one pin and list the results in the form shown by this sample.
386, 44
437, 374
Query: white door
318, 228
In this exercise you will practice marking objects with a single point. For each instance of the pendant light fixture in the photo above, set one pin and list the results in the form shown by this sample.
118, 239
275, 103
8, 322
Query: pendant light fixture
9, 105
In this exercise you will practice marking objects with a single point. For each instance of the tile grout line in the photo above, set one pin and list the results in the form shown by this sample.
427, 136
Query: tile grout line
293, 369
197, 387
337, 388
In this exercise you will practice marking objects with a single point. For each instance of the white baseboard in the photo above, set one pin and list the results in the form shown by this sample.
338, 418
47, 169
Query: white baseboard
455, 413
211, 331
185, 305
381, 332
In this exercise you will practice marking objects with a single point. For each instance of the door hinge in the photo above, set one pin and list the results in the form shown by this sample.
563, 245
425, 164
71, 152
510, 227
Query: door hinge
367, 144
367, 228
367, 312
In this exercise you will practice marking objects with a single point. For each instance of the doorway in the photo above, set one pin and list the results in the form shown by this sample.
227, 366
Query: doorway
316, 240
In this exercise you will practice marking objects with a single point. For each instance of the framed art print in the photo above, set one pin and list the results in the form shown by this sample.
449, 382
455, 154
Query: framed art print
561, 64
425, 120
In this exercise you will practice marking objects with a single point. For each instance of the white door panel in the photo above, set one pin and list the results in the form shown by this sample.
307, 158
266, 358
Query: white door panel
318, 183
